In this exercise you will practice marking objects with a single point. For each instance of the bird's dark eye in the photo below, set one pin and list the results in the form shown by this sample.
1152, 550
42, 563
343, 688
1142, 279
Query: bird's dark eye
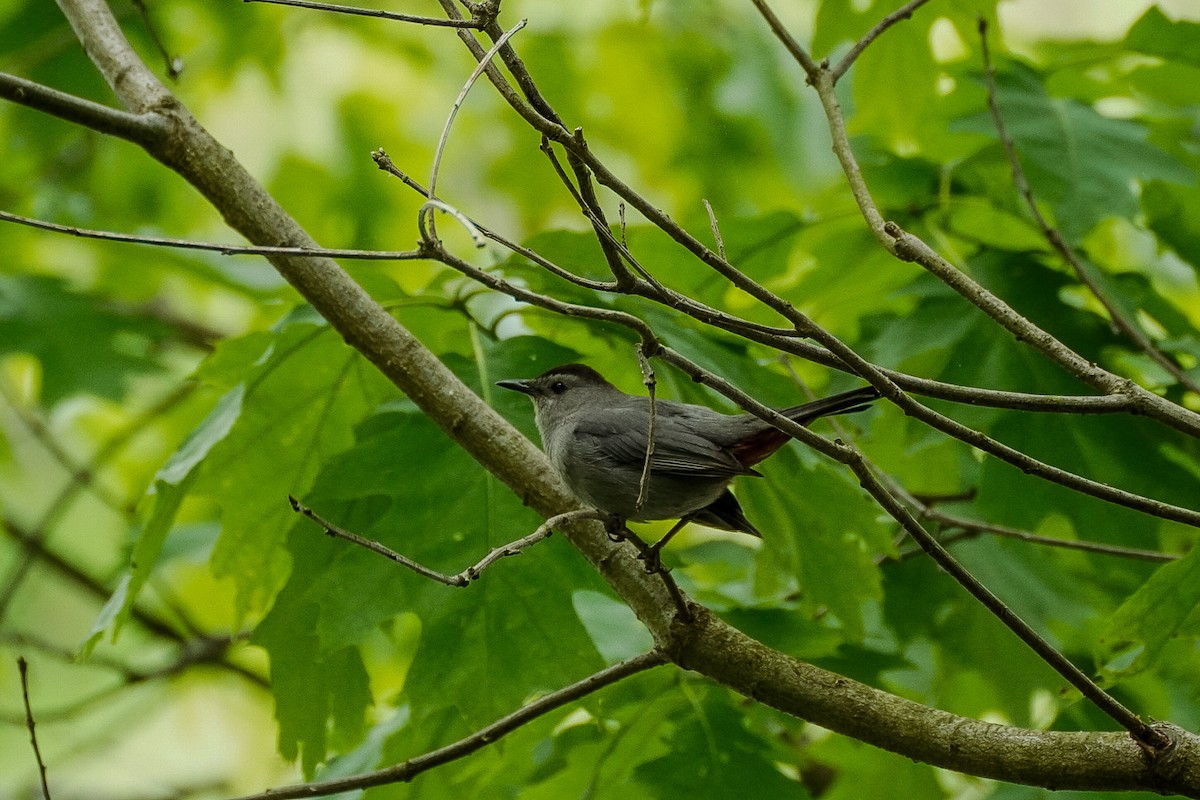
558, 387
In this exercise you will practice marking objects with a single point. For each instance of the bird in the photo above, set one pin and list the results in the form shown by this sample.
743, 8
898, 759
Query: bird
595, 436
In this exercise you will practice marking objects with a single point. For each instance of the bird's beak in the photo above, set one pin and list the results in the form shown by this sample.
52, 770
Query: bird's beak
517, 386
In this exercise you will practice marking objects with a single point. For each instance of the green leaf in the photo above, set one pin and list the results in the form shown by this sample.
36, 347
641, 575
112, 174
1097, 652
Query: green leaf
83, 345
1135, 634
301, 402
1173, 213
481, 650
1157, 35
712, 754
334, 687
171, 485
820, 536
1085, 165
614, 628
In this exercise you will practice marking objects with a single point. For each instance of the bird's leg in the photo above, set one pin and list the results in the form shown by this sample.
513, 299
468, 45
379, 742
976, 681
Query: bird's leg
652, 554
616, 529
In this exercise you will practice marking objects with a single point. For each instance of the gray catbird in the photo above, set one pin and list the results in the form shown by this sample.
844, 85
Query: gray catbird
595, 436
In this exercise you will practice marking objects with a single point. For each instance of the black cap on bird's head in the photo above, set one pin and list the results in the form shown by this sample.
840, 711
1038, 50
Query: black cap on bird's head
558, 381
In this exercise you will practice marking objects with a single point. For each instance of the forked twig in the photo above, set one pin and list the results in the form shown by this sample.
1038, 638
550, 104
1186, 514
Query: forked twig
469, 574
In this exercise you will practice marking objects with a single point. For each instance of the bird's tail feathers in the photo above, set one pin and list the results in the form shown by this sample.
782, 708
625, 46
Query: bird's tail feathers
844, 403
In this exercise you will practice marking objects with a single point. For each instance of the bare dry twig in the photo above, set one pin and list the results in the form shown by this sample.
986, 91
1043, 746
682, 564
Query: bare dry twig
215, 247
469, 574
23, 668
434, 201
371, 12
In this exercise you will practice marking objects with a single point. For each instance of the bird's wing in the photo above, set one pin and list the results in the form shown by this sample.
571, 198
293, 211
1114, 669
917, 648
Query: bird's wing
619, 438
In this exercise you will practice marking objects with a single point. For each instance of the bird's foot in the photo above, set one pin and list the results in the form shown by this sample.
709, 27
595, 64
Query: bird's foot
615, 528
652, 559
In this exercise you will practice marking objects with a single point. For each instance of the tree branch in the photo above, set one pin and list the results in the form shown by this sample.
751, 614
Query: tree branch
1053, 759
136, 128
371, 12
223, 249
908, 247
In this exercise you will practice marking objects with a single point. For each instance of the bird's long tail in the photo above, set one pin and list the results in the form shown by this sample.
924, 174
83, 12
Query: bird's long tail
754, 449
844, 403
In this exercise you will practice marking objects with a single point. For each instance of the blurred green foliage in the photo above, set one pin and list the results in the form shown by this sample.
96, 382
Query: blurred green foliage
160, 405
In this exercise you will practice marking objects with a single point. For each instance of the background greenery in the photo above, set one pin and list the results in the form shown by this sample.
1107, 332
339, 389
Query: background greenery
160, 405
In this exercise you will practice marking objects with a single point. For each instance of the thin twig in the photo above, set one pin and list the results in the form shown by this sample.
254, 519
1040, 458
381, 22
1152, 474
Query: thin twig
173, 64
137, 128
970, 528
785, 37
23, 667
609, 244
927, 509
445, 137
647, 465
902, 13
370, 12
469, 574
223, 249
1123, 323
385, 163
513, 548
409, 769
